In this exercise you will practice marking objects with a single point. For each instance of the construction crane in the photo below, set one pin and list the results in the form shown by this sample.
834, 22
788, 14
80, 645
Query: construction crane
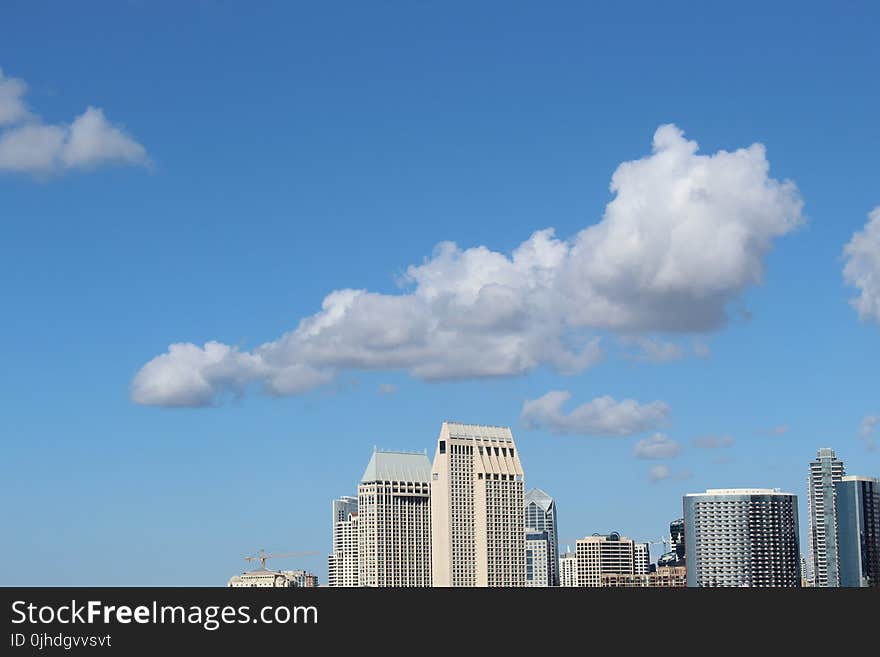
262, 557
664, 541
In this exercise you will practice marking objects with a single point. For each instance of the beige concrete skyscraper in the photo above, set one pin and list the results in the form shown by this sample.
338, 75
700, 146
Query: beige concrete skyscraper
394, 520
477, 526
599, 555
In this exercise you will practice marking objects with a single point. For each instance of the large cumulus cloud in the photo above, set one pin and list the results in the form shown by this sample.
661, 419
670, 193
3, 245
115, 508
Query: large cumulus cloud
684, 235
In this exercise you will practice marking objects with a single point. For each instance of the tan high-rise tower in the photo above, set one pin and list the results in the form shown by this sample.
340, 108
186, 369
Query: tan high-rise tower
477, 527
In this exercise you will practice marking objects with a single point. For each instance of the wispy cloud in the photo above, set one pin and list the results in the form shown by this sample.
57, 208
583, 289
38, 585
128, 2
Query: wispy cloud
867, 431
713, 442
387, 388
701, 349
652, 349
779, 430
662, 472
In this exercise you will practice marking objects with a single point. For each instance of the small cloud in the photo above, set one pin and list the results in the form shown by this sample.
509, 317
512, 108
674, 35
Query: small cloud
862, 269
658, 446
713, 442
28, 145
724, 460
387, 388
701, 349
661, 472
778, 430
867, 431
603, 416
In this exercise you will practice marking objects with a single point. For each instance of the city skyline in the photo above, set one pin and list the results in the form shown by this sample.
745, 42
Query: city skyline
739, 536
242, 245
735, 536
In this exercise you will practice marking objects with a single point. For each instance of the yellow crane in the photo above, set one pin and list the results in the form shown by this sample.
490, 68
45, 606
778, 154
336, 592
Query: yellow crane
262, 557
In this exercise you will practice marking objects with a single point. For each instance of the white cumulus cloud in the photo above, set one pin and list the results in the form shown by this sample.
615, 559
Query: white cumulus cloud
862, 268
12, 106
658, 446
603, 416
27, 145
684, 235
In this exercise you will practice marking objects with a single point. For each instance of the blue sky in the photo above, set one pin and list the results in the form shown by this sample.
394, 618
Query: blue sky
247, 161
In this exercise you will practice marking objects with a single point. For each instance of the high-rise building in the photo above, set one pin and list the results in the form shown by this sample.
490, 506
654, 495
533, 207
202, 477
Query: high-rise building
478, 532
599, 555
394, 520
344, 507
302, 578
825, 471
537, 561
568, 569
540, 516
858, 530
676, 538
805, 577
742, 537
641, 558
342, 564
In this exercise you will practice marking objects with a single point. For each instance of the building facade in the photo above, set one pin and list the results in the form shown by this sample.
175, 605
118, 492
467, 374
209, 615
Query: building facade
641, 558
540, 516
477, 491
537, 558
599, 555
262, 578
676, 538
568, 569
302, 578
394, 521
805, 577
742, 537
342, 564
665, 577
858, 530
825, 472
